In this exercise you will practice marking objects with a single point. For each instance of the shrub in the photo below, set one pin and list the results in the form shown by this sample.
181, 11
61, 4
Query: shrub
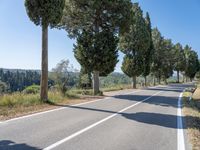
33, 89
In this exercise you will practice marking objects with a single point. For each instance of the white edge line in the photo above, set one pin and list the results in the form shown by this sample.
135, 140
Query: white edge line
95, 124
57, 109
180, 134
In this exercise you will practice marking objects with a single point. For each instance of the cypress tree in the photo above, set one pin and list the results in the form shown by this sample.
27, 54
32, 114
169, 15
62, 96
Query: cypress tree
167, 61
192, 62
157, 55
179, 57
134, 43
97, 52
96, 16
149, 52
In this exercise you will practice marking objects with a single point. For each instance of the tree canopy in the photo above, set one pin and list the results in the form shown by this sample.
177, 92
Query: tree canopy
97, 51
94, 15
45, 12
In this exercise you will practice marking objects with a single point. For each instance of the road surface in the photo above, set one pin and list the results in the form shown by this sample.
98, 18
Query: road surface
143, 119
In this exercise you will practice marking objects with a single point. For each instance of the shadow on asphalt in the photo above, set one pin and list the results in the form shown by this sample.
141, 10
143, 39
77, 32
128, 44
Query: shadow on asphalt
159, 119
10, 145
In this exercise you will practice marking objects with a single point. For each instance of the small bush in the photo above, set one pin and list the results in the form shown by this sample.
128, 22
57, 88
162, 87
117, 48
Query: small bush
33, 89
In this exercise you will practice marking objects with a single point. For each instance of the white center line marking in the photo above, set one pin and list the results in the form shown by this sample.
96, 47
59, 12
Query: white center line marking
95, 124
180, 135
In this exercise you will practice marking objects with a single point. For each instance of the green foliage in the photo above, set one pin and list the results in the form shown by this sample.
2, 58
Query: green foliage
158, 53
85, 79
33, 89
134, 43
97, 52
45, 12
168, 59
98, 23
179, 58
148, 52
192, 62
18, 80
132, 65
95, 15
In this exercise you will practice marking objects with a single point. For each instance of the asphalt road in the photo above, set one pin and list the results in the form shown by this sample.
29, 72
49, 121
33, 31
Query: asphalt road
138, 120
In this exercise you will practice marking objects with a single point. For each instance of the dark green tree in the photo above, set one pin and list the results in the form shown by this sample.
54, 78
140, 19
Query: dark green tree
134, 43
167, 59
97, 52
149, 52
45, 13
157, 55
192, 62
179, 59
96, 16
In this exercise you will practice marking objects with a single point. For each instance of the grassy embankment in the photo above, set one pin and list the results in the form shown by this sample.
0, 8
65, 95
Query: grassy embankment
191, 111
18, 104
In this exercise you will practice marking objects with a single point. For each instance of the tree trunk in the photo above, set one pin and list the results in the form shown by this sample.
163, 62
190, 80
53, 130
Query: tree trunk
44, 65
165, 81
158, 80
145, 80
177, 76
154, 80
183, 78
134, 82
96, 82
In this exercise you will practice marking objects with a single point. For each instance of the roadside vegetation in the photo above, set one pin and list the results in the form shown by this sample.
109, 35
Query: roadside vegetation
191, 112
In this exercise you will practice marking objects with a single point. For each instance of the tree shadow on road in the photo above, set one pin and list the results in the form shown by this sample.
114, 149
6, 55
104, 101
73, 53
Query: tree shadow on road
165, 101
164, 120
10, 145
158, 119
151, 118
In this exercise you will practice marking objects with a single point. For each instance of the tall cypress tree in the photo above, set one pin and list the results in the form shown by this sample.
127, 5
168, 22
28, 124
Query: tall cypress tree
134, 43
157, 55
97, 52
167, 61
192, 62
149, 52
96, 16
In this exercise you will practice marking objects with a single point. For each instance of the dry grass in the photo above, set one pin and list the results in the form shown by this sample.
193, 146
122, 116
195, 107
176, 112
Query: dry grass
19, 104
196, 97
192, 116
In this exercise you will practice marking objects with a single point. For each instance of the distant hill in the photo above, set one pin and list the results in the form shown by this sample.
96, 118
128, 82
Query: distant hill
19, 70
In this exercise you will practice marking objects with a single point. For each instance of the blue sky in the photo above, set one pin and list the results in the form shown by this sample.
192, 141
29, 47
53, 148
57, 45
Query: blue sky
20, 39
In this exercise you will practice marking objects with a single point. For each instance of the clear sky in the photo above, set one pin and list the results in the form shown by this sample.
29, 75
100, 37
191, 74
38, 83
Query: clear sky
20, 39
